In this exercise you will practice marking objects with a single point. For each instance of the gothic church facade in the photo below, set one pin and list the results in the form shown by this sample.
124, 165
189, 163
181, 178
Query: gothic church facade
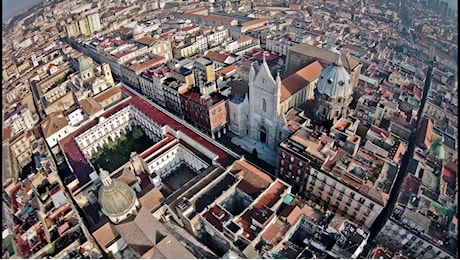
258, 115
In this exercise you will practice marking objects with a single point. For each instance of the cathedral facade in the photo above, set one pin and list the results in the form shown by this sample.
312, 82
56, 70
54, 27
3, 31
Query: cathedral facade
258, 115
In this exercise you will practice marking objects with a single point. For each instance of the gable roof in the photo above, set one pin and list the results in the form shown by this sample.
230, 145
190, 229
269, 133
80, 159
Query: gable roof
330, 57
53, 123
105, 234
254, 180
254, 22
216, 56
151, 199
300, 79
107, 94
90, 106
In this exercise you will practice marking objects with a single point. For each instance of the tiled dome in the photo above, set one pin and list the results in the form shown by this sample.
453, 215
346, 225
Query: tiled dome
84, 65
115, 197
335, 81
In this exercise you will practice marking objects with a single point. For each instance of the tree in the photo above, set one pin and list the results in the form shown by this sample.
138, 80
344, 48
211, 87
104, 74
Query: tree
137, 133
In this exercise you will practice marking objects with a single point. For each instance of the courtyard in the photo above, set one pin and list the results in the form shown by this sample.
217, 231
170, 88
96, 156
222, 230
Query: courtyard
180, 176
115, 154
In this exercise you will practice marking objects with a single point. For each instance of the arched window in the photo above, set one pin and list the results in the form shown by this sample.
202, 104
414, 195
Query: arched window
264, 105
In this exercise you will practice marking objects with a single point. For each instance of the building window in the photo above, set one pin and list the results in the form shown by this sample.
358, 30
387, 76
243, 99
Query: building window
349, 202
340, 197
352, 195
371, 206
358, 207
264, 105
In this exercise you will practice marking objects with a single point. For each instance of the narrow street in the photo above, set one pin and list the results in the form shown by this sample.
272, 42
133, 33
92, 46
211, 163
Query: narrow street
385, 214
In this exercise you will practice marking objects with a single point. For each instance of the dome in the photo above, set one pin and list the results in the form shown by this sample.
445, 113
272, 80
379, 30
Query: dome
84, 65
115, 196
138, 29
335, 81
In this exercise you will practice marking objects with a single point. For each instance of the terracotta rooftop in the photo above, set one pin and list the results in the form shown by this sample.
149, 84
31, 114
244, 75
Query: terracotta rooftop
254, 180
411, 183
146, 40
90, 106
53, 123
271, 196
300, 79
7, 131
273, 231
217, 56
254, 22
244, 39
105, 234
151, 199
107, 94
426, 131
227, 69
216, 216
139, 67
324, 54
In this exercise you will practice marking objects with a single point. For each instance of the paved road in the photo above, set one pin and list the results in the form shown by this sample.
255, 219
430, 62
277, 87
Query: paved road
385, 214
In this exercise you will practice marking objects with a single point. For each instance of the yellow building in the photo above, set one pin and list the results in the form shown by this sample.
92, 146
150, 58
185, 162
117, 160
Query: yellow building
86, 25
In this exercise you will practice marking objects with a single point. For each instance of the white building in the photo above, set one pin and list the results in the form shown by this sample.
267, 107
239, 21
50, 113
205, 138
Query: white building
260, 115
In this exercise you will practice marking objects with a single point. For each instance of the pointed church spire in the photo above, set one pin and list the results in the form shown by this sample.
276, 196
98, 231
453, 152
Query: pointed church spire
278, 78
252, 72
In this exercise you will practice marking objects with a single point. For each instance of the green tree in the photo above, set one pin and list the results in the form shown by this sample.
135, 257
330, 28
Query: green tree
137, 133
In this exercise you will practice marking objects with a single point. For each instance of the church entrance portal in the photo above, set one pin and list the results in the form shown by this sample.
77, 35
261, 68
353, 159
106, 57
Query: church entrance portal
262, 134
